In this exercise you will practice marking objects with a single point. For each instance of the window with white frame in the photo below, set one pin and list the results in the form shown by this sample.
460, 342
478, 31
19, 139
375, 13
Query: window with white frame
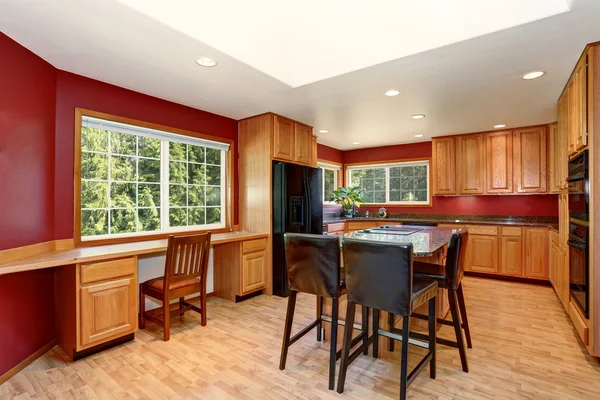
330, 180
137, 181
397, 183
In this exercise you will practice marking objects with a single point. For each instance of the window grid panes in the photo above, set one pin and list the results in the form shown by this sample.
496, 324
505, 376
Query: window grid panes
330, 182
396, 184
123, 184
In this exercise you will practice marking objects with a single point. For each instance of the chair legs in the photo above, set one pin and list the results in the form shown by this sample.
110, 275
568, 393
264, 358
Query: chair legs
166, 319
404, 359
391, 327
319, 313
375, 333
350, 310
365, 328
463, 315
458, 329
333, 344
432, 337
289, 319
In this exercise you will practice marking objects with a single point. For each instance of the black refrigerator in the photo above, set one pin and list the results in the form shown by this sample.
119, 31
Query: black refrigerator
298, 208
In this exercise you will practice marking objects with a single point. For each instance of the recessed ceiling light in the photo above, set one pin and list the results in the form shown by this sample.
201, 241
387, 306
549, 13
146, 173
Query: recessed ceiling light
418, 116
206, 62
500, 126
323, 131
418, 135
355, 142
392, 92
533, 75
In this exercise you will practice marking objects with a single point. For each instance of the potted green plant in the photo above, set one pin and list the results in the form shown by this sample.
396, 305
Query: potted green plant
348, 197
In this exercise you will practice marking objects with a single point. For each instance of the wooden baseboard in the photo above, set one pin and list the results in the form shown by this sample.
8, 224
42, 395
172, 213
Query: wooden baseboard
509, 278
23, 364
19, 253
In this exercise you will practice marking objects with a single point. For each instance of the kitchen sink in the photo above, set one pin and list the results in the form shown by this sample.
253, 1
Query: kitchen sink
393, 230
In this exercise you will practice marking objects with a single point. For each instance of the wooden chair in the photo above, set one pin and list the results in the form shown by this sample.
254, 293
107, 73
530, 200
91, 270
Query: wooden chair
185, 274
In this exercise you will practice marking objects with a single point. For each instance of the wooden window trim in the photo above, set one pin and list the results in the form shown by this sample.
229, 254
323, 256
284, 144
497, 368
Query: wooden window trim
79, 113
339, 177
382, 162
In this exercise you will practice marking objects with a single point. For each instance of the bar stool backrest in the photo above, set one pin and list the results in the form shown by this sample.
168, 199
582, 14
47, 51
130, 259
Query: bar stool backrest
313, 264
455, 258
379, 275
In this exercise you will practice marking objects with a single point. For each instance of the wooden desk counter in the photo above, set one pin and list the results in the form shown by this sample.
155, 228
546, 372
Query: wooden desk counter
98, 253
96, 292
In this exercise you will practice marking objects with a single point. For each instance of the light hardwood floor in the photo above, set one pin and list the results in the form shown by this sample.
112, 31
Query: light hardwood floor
524, 347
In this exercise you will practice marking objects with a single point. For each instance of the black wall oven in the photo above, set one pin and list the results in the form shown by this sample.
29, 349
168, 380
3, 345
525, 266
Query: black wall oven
579, 272
579, 187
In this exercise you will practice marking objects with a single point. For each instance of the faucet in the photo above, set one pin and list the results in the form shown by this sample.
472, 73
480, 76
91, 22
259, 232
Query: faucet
367, 214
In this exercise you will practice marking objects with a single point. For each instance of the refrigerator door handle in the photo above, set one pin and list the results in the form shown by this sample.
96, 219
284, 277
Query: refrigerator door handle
306, 193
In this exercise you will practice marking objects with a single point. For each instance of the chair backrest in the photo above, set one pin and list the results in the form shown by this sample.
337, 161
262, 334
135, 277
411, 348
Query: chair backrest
313, 264
455, 258
379, 275
187, 257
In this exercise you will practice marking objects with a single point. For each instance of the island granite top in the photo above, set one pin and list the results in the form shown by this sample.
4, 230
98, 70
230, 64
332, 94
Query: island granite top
426, 241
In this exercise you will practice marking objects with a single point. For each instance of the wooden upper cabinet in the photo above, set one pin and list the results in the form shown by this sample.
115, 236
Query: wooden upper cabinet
283, 138
554, 159
536, 253
581, 86
444, 166
530, 149
470, 164
314, 157
302, 143
499, 164
572, 115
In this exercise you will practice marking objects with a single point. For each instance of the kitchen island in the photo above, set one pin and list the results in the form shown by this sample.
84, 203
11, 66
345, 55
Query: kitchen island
430, 244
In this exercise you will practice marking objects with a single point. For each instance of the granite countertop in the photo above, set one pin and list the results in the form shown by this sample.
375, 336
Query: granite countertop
426, 240
551, 222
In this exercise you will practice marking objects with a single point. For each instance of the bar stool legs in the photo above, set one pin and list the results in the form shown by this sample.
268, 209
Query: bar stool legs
289, 319
458, 329
463, 315
405, 377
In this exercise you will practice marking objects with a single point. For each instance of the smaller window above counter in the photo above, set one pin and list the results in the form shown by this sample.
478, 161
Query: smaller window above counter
398, 183
497, 162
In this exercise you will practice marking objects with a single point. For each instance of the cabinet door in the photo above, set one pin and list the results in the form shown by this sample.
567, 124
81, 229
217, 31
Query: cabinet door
283, 138
470, 164
511, 256
444, 166
482, 254
562, 146
530, 149
254, 272
313, 153
499, 165
572, 108
553, 157
536, 253
302, 144
581, 82
107, 310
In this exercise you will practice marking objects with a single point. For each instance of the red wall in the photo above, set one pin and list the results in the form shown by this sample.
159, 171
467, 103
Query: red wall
27, 109
329, 154
526, 205
27, 106
77, 91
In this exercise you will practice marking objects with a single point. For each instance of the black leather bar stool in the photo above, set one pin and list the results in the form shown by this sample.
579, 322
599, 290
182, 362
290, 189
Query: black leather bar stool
380, 276
450, 277
314, 267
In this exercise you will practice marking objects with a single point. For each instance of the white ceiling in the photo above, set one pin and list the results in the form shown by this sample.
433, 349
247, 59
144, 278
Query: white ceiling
350, 53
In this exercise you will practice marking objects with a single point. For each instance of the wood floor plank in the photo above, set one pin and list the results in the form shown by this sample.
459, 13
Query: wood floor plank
524, 347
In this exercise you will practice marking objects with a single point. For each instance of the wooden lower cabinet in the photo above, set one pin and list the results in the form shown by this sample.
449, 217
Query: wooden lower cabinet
508, 250
242, 268
482, 254
108, 310
96, 303
253, 272
511, 257
536, 253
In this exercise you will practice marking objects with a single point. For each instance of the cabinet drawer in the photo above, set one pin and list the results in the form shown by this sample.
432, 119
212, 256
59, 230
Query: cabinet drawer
579, 323
254, 245
483, 230
512, 231
358, 225
108, 270
337, 227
